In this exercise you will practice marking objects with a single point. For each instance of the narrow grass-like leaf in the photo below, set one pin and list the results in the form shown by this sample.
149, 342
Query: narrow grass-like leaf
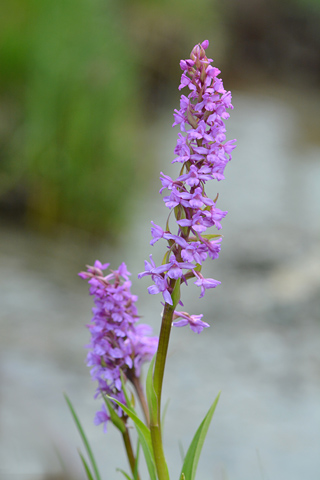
151, 394
124, 473
192, 457
84, 438
137, 421
86, 467
115, 419
144, 437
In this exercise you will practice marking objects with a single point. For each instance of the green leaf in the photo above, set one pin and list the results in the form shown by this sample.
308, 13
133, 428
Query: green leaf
115, 419
198, 267
210, 236
137, 421
144, 437
166, 257
167, 224
192, 457
86, 467
124, 473
84, 438
151, 394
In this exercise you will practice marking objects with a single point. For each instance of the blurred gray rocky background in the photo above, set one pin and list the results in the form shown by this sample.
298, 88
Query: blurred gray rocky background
263, 347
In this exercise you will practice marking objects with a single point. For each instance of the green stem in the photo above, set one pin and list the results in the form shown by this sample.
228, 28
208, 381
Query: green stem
159, 458
155, 426
162, 353
130, 454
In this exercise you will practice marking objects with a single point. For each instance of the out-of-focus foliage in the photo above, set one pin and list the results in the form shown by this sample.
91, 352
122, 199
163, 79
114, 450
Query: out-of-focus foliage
68, 111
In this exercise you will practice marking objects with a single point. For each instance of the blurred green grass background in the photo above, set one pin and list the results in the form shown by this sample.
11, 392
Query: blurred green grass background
82, 79
70, 93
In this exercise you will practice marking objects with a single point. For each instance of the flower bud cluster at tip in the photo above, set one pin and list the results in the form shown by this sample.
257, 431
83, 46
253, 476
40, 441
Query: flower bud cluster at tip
203, 152
117, 343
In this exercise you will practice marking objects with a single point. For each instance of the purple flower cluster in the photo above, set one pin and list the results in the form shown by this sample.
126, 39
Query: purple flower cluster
117, 343
203, 152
